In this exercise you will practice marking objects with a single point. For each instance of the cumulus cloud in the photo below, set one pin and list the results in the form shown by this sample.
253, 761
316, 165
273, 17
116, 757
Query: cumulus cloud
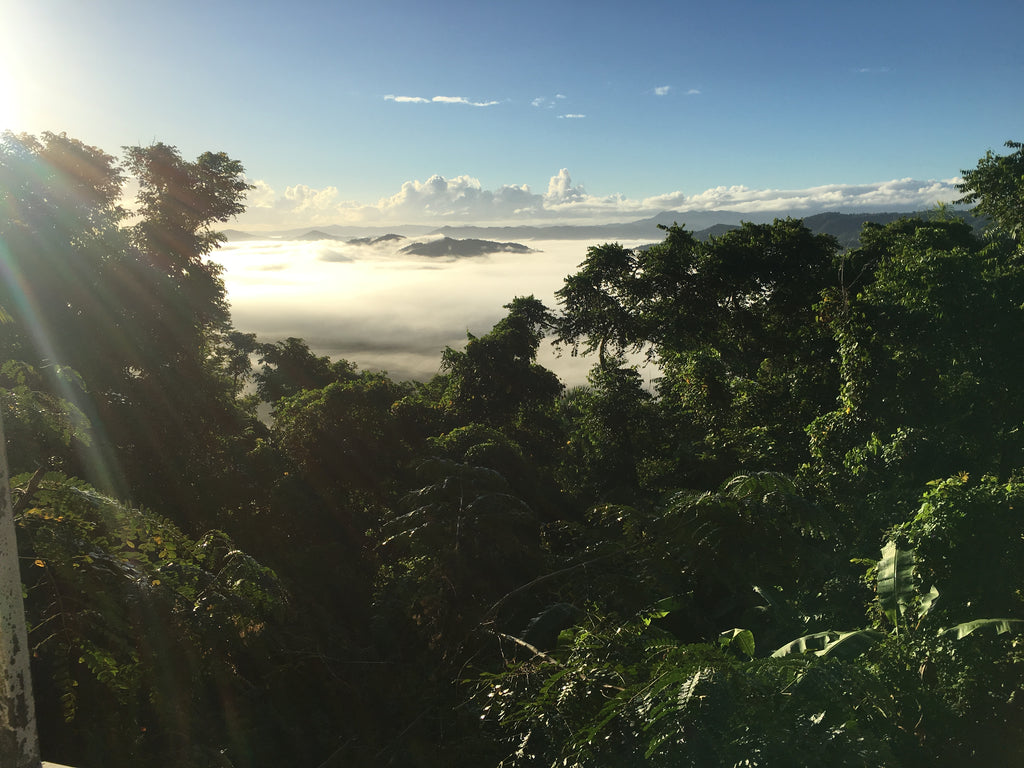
439, 100
260, 196
662, 90
463, 199
693, 92
571, 116
299, 206
304, 199
897, 194
561, 190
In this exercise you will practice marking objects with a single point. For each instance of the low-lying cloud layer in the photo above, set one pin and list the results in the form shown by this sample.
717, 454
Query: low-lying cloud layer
383, 309
462, 199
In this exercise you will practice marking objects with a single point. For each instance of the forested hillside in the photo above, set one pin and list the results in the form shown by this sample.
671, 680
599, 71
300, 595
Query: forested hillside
803, 546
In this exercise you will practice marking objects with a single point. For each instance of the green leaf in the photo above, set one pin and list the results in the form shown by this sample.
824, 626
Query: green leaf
928, 602
996, 626
852, 644
743, 639
689, 687
815, 642
661, 609
830, 642
895, 581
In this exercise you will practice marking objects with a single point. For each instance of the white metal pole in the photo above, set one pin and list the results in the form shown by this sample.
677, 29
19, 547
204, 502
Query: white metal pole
19, 740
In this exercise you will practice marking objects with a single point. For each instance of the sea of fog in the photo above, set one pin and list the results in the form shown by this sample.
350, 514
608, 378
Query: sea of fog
385, 310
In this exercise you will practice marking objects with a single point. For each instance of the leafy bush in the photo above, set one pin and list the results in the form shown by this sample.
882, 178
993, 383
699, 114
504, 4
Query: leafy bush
141, 635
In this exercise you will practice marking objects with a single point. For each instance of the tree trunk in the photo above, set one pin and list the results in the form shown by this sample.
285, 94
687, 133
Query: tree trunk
19, 742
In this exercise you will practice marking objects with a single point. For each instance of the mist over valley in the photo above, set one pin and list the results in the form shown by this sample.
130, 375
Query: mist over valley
385, 308
394, 299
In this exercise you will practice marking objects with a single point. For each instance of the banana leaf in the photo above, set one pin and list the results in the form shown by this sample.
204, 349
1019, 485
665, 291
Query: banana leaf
830, 642
896, 587
995, 626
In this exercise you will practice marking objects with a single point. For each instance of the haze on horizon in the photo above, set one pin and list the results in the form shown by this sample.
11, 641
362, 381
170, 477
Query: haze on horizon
404, 113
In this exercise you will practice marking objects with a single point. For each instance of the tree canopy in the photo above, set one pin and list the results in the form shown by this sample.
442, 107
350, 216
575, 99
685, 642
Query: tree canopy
800, 543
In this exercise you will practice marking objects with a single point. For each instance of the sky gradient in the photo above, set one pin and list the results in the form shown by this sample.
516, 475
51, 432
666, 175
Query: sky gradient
409, 112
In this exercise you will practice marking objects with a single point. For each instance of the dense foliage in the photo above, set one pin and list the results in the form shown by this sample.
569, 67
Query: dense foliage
801, 546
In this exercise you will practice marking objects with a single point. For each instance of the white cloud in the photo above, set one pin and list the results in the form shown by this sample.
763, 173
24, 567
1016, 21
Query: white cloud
462, 100
308, 200
897, 194
300, 206
561, 190
260, 196
463, 199
439, 100
693, 92
571, 116
548, 103
662, 90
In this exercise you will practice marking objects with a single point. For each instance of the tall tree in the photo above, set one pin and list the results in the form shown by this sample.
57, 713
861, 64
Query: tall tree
179, 202
289, 367
138, 310
60, 234
732, 323
496, 378
611, 431
996, 187
928, 331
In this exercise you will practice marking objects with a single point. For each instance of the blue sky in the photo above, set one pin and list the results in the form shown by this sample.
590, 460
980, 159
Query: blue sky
397, 111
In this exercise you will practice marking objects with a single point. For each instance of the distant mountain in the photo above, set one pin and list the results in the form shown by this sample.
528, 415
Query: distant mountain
706, 223
236, 235
844, 226
316, 234
716, 230
407, 230
333, 231
628, 230
376, 240
452, 247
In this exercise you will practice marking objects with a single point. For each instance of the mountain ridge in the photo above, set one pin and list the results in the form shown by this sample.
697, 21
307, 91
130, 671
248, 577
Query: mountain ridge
844, 226
455, 248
